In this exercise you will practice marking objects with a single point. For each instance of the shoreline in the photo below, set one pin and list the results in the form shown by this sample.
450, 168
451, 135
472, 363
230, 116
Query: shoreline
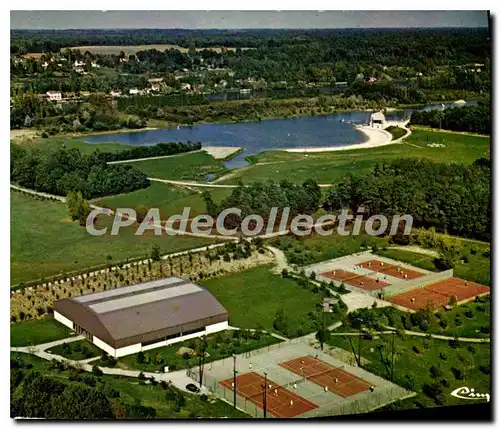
376, 138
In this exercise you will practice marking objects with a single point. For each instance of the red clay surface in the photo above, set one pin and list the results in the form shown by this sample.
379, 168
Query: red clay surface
324, 374
439, 293
391, 270
353, 279
280, 401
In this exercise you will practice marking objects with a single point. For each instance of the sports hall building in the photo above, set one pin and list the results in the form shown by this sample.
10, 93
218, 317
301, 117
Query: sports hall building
144, 316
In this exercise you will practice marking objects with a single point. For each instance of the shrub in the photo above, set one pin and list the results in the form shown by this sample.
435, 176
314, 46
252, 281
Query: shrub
458, 373
436, 371
97, 371
141, 376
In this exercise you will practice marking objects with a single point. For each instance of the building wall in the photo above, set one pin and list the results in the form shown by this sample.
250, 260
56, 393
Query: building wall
216, 327
61, 319
136, 348
103, 346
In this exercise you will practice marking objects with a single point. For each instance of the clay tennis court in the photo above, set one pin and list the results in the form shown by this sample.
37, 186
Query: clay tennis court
335, 379
280, 401
439, 293
353, 279
390, 269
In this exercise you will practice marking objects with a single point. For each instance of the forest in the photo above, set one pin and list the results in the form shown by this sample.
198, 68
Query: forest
60, 171
474, 119
453, 198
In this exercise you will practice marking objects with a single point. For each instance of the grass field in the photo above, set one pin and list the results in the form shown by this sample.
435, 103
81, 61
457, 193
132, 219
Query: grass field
327, 167
32, 332
219, 346
133, 392
69, 143
191, 166
414, 358
168, 198
45, 242
77, 350
253, 298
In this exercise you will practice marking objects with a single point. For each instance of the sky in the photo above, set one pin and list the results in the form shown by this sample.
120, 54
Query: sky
245, 19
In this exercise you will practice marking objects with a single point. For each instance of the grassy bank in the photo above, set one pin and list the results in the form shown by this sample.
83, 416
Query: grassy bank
129, 391
191, 166
45, 242
168, 199
32, 332
328, 167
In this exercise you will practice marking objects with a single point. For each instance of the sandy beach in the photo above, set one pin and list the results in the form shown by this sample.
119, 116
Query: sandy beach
376, 138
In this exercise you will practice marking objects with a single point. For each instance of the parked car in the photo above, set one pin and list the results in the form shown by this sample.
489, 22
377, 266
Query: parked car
192, 388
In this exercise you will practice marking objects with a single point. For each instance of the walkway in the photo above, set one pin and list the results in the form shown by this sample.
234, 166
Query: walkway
192, 183
178, 378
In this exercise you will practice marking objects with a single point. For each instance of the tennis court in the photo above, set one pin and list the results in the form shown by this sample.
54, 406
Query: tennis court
332, 379
353, 279
399, 272
280, 402
438, 294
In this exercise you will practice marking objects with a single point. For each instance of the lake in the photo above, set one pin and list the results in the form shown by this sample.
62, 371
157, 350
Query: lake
306, 131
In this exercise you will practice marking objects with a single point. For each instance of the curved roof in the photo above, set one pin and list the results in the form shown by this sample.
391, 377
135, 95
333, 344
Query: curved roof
143, 312
378, 116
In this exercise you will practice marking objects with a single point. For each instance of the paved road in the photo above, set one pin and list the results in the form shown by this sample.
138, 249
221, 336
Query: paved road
209, 185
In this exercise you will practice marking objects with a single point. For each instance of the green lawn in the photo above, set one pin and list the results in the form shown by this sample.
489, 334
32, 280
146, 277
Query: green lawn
316, 248
168, 198
327, 167
219, 346
77, 350
40, 331
414, 357
133, 392
191, 166
254, 296
69, 143
45, 242
477, 268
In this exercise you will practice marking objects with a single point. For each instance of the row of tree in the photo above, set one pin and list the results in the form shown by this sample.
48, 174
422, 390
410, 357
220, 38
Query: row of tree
260, 197
453, 198
475, 119
160, 149
61, 171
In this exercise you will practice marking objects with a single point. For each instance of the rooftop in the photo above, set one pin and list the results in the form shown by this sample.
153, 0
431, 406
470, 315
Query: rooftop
138, 313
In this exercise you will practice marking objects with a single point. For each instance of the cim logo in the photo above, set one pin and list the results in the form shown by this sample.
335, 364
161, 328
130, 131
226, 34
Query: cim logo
466, 393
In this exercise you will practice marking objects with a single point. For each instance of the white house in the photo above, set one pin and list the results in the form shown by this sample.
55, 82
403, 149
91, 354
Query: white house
377, 120
54, 95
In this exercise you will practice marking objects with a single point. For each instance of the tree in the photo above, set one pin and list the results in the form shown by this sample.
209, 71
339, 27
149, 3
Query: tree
323, 335
155, 253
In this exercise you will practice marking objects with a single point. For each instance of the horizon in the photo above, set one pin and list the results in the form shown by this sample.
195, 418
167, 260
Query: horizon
245, 20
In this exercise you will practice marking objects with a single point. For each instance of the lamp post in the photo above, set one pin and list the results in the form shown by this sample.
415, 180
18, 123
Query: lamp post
392, 366
265, 394
234, 380
359, 342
